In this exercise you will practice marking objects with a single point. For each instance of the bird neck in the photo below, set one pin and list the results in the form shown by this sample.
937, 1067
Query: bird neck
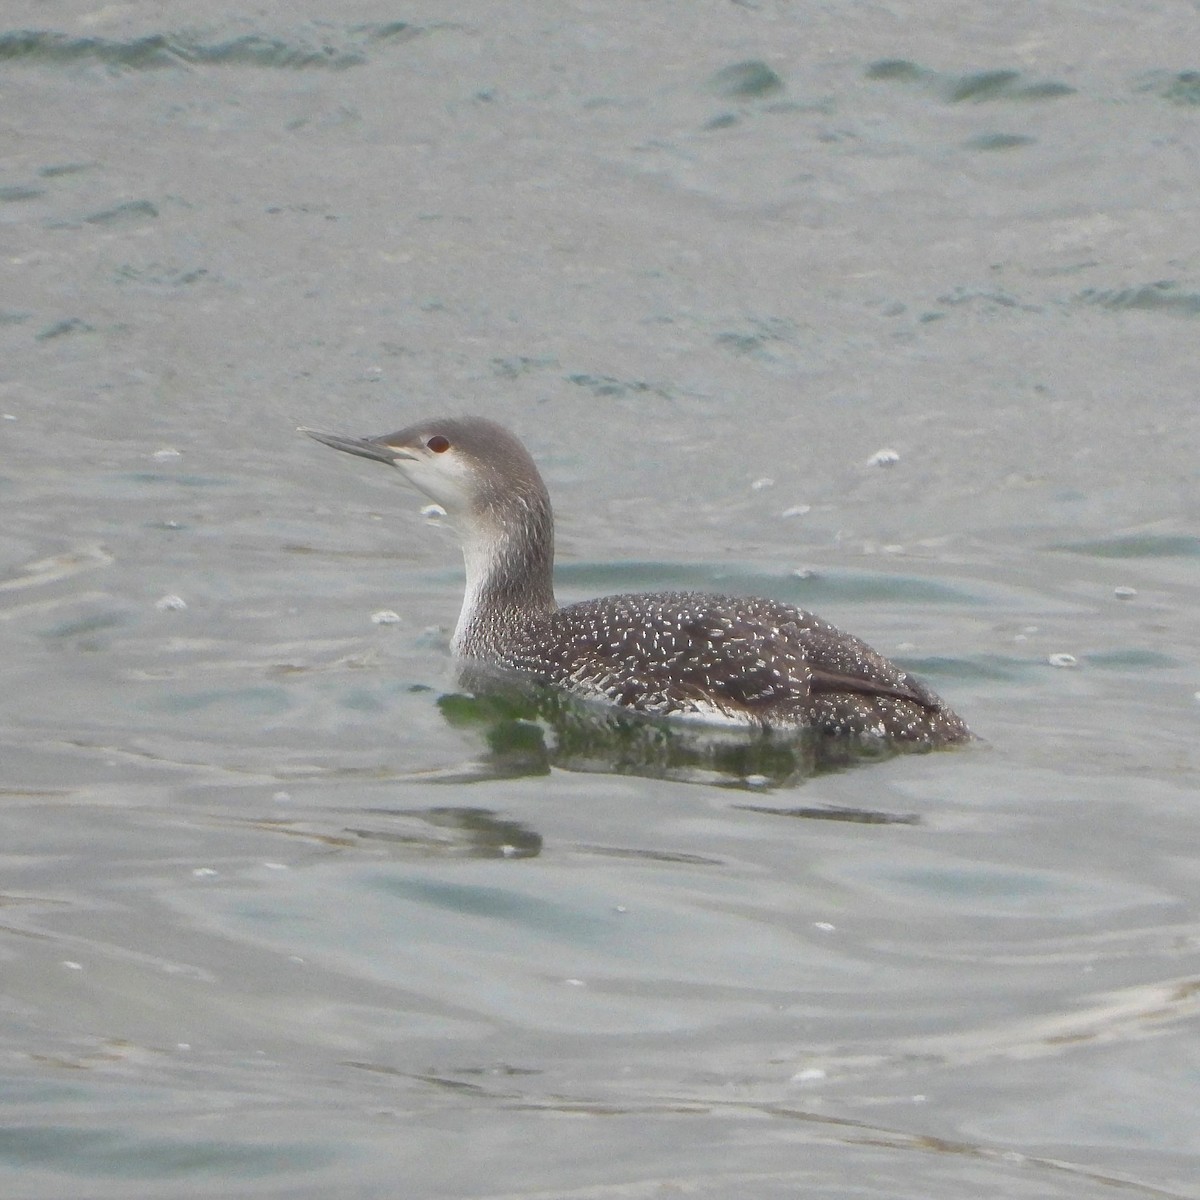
509, 558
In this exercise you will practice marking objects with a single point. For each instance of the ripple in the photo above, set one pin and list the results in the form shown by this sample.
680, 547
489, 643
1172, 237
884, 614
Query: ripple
1164, 296
1120, 660
976, 86
1179, 87
118, 1154
849, 586
746, 79
979, 890
1138, 545
998, 141
336, 49
247, 702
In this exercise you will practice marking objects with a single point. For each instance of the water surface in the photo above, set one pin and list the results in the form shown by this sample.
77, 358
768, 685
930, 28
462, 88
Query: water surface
271, 924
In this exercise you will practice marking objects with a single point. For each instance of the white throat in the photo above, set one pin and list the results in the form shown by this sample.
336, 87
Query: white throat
481, 557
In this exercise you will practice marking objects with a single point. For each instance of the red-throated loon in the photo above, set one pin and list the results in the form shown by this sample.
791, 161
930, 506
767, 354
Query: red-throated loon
726, 659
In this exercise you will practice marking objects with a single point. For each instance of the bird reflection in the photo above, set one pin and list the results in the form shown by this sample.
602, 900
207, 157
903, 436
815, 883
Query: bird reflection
527, 730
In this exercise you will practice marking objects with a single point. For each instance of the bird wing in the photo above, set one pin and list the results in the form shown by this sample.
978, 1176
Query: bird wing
840, 662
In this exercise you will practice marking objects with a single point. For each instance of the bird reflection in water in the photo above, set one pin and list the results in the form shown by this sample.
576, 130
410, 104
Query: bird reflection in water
527, 730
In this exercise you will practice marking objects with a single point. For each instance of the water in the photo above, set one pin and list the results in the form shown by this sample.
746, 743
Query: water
272, 925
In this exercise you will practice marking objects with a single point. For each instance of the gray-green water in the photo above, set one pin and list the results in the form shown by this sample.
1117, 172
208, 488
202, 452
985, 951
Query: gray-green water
267, 925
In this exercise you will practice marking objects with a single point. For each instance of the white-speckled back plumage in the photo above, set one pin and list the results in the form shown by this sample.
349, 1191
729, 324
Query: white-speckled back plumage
731, 659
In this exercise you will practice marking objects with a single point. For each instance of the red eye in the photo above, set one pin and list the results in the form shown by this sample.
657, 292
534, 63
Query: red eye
438, 444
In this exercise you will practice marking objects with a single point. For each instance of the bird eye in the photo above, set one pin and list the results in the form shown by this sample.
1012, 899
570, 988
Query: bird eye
438, 444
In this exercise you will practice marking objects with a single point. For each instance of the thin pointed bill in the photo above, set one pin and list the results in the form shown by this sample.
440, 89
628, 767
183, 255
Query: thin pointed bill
365, 447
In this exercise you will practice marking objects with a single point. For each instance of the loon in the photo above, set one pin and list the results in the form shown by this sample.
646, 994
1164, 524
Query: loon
681, 655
